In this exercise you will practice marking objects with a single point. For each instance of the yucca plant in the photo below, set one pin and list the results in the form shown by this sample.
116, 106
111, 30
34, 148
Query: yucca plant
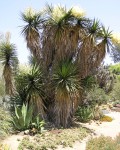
23, 117
9, 60
67, 86
33, 22
30, 88
86, 51
32, 60
65, 33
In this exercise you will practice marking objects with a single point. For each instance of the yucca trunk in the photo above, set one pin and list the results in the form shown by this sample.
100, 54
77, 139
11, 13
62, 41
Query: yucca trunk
84, 56
100, 52
61, 45
48, 49
63, 106
38, 105
97, 55
33, 43
66, 45
7, 74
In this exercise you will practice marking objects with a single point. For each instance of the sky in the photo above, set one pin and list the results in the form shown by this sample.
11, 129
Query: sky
107, 11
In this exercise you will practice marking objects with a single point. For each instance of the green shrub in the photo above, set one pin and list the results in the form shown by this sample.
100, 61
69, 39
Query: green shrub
51, 139
118, 78
115, 94
5, 125
88, 82
103, 143
115, 68
96, 96
2, 88
23, 117
38, 124
105, 78
84, 114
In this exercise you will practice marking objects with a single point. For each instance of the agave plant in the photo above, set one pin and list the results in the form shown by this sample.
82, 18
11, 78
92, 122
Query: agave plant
85, 114
8, 58
23, 117
38, 123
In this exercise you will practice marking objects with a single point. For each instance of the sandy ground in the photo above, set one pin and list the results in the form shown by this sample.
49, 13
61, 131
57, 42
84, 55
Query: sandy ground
106, 128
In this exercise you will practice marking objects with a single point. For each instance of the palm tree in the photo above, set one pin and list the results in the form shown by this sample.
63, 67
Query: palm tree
8, 58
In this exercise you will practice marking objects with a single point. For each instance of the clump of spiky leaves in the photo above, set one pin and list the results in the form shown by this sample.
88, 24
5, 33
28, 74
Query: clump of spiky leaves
30, 88
85, 113
32, 60
67, 85
8, 58
22, 119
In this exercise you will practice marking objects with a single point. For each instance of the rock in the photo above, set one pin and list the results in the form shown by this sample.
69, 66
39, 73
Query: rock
26, 132
117, 105
116, 109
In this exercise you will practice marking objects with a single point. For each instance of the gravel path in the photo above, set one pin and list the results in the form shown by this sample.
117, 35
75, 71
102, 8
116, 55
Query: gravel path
106, 128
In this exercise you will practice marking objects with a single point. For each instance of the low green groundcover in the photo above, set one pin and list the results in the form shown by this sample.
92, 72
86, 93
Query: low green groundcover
51, 139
